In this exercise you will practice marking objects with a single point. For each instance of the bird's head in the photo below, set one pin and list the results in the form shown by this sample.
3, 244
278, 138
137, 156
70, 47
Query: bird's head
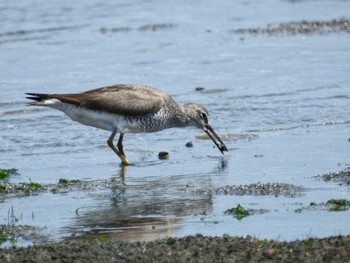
199, 119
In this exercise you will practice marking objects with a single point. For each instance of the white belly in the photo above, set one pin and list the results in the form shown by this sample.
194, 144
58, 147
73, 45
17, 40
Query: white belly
102, 120
98, 119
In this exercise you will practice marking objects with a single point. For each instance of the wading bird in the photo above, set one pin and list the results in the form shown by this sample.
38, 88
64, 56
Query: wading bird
127, 108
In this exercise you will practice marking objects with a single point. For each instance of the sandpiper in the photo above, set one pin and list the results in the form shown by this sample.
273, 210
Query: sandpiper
128, 108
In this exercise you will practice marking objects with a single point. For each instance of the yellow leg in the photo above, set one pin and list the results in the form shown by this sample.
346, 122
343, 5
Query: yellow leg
120, 153
120, 144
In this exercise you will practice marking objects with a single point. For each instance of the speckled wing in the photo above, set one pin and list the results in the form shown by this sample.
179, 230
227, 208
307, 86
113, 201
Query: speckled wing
132, 100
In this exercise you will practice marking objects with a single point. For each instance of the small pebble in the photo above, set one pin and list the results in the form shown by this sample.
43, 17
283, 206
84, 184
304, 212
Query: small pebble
200, 88
163, 155
189, 144
269, 253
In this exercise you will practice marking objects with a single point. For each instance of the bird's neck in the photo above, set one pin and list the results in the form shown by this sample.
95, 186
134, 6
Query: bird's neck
183, 117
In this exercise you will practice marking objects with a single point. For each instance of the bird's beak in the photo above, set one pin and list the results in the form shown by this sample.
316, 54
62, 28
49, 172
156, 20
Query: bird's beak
216, 139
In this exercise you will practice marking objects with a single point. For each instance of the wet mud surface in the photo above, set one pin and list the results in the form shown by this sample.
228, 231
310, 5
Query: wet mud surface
332, 205
258, 189
8, 190
187, 249
300, 27
341, 177
143, 28
11, 234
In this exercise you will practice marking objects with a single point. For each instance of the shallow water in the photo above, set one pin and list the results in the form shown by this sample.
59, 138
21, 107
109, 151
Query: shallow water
282, 102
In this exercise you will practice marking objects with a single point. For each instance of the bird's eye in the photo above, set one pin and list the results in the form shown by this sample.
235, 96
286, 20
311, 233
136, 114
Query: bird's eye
204, 116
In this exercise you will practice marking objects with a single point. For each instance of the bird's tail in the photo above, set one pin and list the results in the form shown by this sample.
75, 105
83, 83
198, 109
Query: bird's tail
39, 98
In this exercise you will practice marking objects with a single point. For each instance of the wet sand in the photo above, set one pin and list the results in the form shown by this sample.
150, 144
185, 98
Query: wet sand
301, 27
187, 249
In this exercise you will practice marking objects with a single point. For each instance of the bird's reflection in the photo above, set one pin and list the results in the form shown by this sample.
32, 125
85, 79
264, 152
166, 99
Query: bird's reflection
146, 207
222, 166
122, 171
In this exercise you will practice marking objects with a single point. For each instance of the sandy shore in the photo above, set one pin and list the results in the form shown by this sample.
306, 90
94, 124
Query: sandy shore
187, 249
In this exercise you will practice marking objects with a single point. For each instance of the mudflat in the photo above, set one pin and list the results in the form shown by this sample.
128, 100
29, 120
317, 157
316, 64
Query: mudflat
196, 248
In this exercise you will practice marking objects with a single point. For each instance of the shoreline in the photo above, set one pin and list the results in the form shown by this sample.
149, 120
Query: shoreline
197, 248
